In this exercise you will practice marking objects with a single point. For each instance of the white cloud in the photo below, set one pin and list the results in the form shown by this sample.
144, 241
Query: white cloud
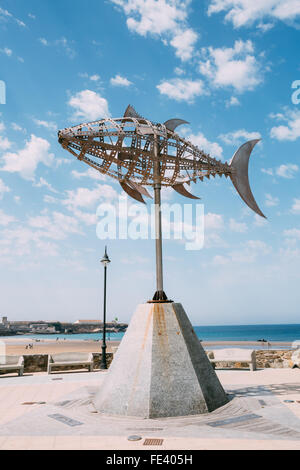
85, 197
287, 171
166, 19
6, 219
50, 199
89, 173
220, 260
259, 221
17, 128
267, 171
201, 141
56, 226
246, 12
79, 200
271, 201
236, 226
118, 80
213, 224
6, 51
46, 124
232, 102
179, 71
93, 78
25, 161
213, 221
237, 137
44, 42
62, 44
184, 43
87, 218
6, 15
5, 144
292, 233
291, 131
43, 183
89, 105
182, 89
20, 23
153, 16
264, 27
3, 188
296, 206
249, 253
234, 67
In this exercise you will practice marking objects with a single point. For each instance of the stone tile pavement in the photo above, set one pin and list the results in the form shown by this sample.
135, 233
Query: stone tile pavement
257, 416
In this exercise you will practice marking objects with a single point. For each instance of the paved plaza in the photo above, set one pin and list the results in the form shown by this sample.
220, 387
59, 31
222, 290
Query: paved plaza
57, 412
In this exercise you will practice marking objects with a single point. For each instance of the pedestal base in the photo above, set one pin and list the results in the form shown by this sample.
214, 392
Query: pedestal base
160, 369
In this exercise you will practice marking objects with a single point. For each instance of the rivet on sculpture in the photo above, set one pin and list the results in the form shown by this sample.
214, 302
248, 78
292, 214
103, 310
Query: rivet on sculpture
160, 369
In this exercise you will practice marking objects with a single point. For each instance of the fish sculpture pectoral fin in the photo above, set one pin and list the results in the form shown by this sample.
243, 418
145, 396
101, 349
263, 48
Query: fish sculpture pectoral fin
239, 176
179, 188
132, 192
143, 191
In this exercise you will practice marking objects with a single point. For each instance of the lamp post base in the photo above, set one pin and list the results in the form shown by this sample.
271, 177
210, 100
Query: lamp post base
103, 363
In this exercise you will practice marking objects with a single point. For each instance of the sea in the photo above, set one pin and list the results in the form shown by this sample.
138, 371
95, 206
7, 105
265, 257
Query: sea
270, 333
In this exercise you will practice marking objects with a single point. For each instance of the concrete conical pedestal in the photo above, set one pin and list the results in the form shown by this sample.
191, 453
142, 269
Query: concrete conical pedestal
160, 369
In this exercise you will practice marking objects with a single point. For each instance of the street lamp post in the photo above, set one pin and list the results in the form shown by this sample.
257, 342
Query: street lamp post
105, 261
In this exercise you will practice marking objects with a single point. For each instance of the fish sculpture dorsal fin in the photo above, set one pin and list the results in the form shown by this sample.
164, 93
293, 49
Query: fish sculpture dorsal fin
131, 112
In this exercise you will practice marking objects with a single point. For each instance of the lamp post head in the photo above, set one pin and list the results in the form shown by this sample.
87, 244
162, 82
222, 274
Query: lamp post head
105, 260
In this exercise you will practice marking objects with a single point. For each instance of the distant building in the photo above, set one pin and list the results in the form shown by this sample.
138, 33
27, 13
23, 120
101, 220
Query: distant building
4, 323
42, 328
88, 322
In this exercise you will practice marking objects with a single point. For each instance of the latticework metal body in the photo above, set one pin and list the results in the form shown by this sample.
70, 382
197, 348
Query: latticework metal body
123, 149
139, 153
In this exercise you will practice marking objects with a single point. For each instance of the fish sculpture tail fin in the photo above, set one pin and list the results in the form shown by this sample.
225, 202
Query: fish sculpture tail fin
239, 175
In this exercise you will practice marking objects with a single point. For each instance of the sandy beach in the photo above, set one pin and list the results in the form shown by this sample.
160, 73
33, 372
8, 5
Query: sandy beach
17, 346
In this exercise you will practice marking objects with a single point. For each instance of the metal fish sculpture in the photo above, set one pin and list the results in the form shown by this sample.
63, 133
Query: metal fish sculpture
140, 153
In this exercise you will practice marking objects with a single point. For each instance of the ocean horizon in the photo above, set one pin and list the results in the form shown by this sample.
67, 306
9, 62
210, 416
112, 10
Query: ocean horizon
270, 333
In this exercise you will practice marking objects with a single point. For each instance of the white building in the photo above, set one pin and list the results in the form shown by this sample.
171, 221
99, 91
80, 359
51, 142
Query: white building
88, 322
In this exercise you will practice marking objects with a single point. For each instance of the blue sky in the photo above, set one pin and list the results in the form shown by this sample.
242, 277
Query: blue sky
227, 67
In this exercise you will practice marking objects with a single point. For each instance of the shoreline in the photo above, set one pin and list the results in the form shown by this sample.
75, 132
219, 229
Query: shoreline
17, 346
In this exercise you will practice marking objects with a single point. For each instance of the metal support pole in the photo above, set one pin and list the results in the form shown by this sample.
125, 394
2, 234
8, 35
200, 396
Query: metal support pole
103, 364
159, 294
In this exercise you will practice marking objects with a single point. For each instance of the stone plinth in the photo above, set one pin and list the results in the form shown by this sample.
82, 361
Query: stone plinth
160, 368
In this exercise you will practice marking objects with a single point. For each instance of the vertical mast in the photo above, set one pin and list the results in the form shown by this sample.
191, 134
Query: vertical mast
159, 294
